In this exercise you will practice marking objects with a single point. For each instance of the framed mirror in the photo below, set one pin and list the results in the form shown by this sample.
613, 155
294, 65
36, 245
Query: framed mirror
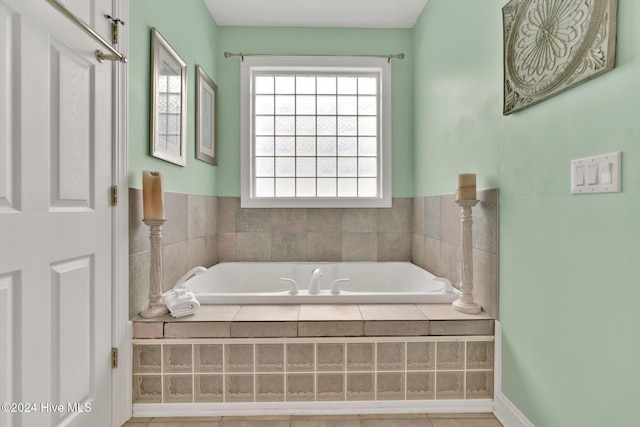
206, 117
168, 102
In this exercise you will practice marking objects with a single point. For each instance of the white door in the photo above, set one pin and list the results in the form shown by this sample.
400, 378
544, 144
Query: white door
55, 216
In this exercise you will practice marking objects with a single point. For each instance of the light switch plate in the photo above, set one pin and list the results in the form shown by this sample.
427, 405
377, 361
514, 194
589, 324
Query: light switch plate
597, 174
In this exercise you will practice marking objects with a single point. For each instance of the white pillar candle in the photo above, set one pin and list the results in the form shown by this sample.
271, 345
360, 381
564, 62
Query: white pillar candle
152, 195
466, 186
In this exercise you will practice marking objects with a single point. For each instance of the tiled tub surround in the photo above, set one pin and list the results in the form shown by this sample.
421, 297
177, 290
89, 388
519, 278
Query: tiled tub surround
436, 242
318, 370
189, 239
203, 230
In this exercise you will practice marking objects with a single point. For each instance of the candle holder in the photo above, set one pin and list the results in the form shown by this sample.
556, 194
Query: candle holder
465, 303
156, 308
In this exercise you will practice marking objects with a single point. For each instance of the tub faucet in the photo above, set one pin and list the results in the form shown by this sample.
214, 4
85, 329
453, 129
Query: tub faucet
314, 283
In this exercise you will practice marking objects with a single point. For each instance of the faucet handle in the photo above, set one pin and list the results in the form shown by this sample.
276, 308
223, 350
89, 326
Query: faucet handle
335, 290
294, 285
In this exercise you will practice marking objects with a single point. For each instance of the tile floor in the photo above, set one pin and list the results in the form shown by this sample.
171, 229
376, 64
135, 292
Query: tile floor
376, 420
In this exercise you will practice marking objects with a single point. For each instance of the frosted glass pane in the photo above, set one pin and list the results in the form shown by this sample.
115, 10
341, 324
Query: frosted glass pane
264, 146
305, 84
174, 83
326, 146
285, 187
367, 167
174, 104
162, 124
162, 104
367, 146
285, 125
264, 104
285, 146
348, 85
306, 166
285, 104
305, 125
367, 126
348, 105
264, 125
305, 104
347, 126
285, 85
326, 85
326, 187
327, 166
305, 146
347, 146
264, 166
173, 124
347, 167
162, 83
285, 166
264, 84
347, 187
306, 187
264, 187
367, 187
326, 105
367, 86
367, 105
326, 125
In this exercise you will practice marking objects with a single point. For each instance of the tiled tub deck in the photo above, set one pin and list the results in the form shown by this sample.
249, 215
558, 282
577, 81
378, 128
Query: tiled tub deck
313, 353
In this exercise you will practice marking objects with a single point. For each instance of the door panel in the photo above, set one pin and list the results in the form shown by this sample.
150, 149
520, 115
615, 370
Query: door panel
55, 216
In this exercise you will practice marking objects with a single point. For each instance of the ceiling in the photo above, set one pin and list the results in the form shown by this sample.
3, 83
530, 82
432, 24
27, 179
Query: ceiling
317, 13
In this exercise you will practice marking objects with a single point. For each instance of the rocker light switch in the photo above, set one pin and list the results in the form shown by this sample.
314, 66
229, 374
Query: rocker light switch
605, 173
597, 174
592, 174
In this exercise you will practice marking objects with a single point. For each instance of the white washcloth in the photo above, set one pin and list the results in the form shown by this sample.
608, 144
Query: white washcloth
180, 302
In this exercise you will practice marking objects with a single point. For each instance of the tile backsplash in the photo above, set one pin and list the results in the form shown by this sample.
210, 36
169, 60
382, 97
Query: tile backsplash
436, 242
205, 230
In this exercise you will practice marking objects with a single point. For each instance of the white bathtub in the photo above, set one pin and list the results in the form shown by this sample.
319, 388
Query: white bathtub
369, 282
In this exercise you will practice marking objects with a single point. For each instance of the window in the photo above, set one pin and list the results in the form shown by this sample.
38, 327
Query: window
316, 132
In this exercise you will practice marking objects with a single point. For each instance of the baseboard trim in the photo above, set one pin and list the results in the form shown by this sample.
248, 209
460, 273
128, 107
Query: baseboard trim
508, 414
311, 408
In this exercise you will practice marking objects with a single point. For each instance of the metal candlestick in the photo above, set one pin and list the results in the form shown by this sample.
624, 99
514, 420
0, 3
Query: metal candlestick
465, 303
156, 308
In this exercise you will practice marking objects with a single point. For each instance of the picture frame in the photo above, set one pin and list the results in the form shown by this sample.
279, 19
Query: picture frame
553, 45
168, 124
206, 117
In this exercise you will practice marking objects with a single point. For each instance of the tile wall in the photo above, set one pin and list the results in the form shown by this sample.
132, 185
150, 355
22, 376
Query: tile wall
189, 239
203, 230
331, 369
436, 242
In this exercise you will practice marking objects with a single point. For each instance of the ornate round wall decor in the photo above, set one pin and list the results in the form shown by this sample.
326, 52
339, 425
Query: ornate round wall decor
552, 45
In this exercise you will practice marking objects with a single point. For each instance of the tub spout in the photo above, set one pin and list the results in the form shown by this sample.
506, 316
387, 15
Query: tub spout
294, 285
335, 289
314, 283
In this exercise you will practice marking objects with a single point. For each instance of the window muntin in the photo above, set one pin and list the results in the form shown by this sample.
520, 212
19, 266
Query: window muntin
317, 135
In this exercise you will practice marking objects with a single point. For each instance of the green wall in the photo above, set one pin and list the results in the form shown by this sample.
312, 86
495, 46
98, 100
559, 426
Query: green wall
189, 28
314, 41
569, 265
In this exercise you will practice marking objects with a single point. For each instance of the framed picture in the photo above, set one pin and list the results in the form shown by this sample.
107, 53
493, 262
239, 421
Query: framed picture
168, 102
206, 118
553, 45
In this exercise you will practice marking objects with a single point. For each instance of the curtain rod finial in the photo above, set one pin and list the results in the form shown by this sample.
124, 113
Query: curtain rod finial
228, 54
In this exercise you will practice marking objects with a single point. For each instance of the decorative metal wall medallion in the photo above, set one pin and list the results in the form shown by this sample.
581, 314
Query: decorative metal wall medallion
552, 45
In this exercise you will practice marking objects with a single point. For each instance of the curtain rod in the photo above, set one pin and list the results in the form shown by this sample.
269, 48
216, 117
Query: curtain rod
242, 55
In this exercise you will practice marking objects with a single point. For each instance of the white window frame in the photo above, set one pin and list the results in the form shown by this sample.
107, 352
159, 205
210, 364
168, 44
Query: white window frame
253, 64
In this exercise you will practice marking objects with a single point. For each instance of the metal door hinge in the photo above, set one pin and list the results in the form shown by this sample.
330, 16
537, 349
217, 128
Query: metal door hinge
114, 27
114, 195
114, 358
